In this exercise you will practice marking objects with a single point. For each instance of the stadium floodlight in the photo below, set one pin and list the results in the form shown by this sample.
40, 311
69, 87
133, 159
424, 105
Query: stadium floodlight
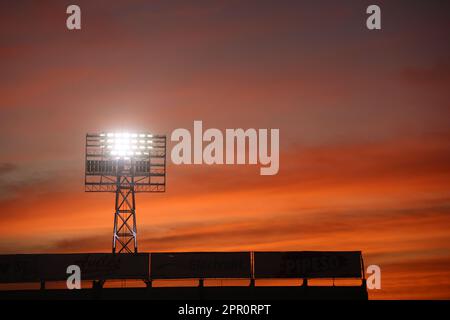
125, 163
126, 145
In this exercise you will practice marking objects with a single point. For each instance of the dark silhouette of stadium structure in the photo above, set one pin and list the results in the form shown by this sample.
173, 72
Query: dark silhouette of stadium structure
126, 164
199, 266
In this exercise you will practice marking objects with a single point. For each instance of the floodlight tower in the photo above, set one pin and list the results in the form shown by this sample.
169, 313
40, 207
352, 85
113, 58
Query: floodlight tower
125, 164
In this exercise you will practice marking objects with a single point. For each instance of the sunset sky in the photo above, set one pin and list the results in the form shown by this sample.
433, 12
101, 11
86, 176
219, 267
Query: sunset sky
364, 119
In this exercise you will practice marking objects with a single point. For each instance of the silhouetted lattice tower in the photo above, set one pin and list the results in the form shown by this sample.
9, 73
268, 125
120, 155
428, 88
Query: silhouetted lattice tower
126, 164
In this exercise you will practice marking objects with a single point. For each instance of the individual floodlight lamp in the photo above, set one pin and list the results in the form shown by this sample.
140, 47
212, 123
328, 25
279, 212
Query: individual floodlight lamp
125, 163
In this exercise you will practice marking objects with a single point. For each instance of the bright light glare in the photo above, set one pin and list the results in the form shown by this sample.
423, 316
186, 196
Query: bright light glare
125, 145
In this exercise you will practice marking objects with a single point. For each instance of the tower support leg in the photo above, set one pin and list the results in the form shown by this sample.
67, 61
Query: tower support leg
124, 234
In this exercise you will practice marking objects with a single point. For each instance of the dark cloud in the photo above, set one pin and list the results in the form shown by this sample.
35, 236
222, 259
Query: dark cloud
6, 168
29, 181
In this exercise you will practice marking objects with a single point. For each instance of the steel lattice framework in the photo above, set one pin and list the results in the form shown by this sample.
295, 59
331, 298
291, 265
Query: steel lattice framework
125, 164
